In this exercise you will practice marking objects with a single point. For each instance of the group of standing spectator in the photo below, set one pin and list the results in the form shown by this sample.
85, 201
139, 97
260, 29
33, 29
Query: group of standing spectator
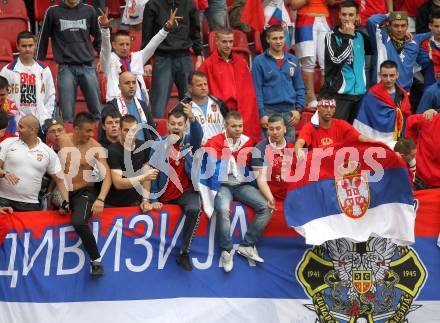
369, 62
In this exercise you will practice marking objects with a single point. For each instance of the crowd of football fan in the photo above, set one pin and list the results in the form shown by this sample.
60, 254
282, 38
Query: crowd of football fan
379, 65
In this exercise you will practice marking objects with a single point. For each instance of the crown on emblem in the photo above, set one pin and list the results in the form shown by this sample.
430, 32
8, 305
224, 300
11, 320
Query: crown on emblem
349, 168
326, 141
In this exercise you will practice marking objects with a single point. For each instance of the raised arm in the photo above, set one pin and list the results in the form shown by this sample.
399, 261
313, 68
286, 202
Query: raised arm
106, 47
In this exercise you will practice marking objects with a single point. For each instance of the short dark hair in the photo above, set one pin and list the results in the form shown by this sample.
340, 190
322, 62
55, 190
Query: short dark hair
4, 84
435, 14
404, 146
195, 73
273, 29
3, 119
388, 64
120, 32
83, 117
114, 113
233, 114
25, 35
224, 31
276, 118
349, 4
177, 112
128, 118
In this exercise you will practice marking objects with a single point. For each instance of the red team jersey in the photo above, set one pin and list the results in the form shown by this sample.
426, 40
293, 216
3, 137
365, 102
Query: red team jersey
277, 158
368, 8
172, 193
339, 131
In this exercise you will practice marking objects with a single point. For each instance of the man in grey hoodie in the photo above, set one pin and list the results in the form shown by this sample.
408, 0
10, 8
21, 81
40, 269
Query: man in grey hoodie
70, 26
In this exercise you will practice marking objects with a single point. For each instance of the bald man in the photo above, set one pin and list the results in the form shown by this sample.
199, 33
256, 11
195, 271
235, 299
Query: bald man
20, 181
128, 103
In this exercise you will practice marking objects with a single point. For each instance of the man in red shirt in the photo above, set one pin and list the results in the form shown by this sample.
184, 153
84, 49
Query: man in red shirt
425, 133
4, 133
271, 158
371, 7
173, 157
324, 131
230, 79
411, 7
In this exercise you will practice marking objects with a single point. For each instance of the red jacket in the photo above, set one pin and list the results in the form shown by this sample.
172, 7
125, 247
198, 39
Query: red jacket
232, 82
426, 134
409, 6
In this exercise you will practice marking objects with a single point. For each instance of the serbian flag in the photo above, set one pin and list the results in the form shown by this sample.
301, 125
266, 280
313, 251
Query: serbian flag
253, 15
304, 30
379, 117
354, 193
429, 60
220, 164
12, 112
277, 15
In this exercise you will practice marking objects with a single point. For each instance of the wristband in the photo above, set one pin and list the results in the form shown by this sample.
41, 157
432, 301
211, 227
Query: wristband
100, 200
65, 206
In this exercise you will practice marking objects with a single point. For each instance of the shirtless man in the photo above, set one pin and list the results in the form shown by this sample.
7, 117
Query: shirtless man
79, 153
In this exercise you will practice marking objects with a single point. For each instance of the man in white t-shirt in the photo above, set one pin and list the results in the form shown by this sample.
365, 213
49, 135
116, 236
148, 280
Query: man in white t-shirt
31, 83
208, 110
23, 162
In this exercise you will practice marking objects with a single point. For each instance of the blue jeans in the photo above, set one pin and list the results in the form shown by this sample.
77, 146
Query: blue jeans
217, 14
246, 194
166, 71
290, 134
69, 77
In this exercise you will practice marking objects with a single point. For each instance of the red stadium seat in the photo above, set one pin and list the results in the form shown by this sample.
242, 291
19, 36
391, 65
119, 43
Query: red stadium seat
13, 20
53, 66
241, 45
80, 107
147, 80
6, 55
162, 126
306, 116
172, 102
102, 86
318, 80
13, 8
114, 8
50, 61
136, 40
40, 7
